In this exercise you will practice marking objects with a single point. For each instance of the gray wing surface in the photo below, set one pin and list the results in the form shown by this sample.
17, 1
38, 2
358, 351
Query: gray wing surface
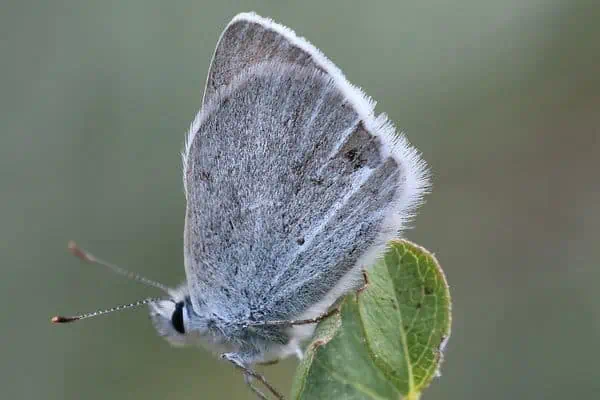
286, 189
247, 42
289, 178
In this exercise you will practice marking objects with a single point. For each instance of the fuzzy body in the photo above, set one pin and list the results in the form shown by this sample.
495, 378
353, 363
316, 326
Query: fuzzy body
293, 186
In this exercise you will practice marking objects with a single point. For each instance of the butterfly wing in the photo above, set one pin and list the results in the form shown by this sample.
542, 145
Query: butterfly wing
292, 184
247, 41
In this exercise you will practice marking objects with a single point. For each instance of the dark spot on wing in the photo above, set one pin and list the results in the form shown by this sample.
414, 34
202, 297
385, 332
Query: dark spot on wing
318, 180
226, 292
351, 155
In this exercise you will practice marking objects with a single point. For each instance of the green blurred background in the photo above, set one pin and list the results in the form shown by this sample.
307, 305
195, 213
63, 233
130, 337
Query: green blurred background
502, 98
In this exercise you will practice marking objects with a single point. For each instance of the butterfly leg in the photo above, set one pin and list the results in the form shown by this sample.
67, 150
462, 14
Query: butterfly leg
316, 319
272, 362
365, 283
248, 379
250, 374
292, 322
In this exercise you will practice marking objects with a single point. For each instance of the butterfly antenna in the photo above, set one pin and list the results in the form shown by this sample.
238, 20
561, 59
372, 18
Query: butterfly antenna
59, 319
90, 258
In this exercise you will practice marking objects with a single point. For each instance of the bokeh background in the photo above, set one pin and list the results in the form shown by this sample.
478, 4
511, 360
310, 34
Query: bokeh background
502, 98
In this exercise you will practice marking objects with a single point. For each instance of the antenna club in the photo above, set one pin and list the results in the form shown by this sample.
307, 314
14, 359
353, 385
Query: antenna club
77, 252
59, 319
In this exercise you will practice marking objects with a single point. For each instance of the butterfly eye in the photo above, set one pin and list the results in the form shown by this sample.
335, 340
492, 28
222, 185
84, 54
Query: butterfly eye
177, 318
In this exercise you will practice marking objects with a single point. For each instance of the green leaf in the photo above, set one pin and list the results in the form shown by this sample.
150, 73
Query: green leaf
387, 340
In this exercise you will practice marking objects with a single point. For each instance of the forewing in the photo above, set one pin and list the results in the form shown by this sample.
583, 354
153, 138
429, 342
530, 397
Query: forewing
249, 40
292, 184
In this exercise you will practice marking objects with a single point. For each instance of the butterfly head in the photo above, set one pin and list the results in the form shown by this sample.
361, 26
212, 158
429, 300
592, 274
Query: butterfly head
174, 318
